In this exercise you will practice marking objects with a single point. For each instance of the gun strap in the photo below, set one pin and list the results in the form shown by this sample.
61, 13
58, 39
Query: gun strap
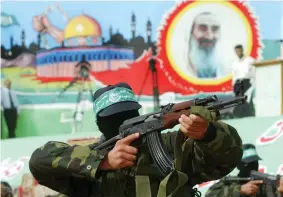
182, 180
182, 152
142, 186
269, 190
178, 152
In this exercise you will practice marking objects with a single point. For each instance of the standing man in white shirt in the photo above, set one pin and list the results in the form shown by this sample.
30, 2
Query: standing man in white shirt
243, 70
10, 105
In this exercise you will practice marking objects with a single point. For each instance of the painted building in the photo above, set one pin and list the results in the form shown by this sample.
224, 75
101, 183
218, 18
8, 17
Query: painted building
82, 37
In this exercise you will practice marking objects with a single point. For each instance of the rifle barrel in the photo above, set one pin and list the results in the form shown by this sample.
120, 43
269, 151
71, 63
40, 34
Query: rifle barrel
237, 179
227, 104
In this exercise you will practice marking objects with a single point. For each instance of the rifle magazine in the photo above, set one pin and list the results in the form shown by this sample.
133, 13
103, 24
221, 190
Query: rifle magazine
160, 156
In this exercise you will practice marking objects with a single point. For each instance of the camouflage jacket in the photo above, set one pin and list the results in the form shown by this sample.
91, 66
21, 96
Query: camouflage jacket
73, 170
232, 189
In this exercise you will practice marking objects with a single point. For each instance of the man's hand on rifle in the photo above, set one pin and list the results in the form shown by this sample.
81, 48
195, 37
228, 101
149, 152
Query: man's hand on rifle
250, 188
122, 155
193, 126
280, 188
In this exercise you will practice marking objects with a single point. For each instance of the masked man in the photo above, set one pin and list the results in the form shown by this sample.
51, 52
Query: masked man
252, 188
210, 150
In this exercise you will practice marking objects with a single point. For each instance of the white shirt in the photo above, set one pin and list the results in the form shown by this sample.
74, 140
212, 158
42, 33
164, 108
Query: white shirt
5, 99
243, 69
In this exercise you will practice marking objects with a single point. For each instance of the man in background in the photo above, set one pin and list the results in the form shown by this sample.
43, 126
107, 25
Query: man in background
252, 188
243, 70
202, 60
10, 105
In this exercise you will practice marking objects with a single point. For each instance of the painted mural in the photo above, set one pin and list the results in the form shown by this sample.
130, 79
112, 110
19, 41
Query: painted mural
57, 52
190, 58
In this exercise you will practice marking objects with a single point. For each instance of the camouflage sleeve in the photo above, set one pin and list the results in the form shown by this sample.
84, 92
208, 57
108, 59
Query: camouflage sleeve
65, 169
220, 189
212, 158
218, 154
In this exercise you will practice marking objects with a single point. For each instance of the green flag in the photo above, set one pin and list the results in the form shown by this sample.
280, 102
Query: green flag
8, 20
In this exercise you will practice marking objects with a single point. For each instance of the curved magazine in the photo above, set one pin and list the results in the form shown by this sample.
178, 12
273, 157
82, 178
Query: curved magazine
160, 156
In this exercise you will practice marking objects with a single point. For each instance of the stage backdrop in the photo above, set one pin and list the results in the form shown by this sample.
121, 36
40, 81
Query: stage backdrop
265, 133
43, 50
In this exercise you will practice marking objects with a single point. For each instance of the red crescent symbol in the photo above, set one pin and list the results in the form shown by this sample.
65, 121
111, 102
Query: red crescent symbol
266, 139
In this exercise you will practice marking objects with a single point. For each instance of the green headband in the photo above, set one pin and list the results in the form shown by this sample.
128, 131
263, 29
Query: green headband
249, 153
113, 96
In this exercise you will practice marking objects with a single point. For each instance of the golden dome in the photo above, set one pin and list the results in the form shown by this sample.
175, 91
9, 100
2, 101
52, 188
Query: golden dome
81, 26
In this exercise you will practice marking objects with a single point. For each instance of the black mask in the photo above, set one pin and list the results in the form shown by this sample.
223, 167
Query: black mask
246, 168
109, 125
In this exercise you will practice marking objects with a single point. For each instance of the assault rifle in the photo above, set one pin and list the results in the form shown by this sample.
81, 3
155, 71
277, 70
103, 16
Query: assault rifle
268, 180
150, 126
255, 175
